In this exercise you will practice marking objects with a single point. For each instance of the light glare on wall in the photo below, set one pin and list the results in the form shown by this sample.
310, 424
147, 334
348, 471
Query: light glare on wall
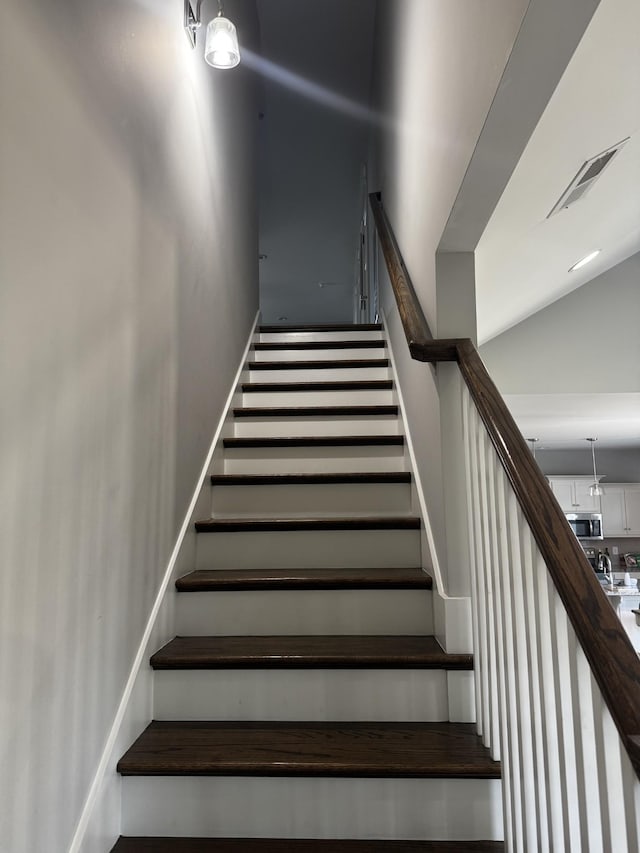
221, 48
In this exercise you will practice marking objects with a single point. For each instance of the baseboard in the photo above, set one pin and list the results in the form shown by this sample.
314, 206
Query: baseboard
96, 830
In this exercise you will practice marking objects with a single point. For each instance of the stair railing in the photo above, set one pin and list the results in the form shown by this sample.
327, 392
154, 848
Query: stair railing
557, 679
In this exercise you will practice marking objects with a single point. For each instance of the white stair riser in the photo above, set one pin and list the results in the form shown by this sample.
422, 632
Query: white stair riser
319, 354
309, 549
312, 611
444, 809
391, 695
372, 425
317, 337
319, 398
311, 499
461, 696
300, 460
335, 374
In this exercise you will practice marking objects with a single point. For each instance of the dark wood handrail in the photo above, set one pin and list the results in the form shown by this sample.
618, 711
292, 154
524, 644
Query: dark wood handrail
414, 323
613, 660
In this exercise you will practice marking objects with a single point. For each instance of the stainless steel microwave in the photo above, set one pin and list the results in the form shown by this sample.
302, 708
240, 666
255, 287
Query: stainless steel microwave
586, 525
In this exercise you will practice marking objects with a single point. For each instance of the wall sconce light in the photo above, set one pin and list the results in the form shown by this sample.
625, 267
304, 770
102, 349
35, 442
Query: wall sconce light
221, 49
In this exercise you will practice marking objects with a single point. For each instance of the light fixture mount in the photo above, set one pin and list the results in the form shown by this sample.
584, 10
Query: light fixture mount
192, 19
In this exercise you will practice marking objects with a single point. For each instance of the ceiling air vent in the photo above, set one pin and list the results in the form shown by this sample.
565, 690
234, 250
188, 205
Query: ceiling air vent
587, 175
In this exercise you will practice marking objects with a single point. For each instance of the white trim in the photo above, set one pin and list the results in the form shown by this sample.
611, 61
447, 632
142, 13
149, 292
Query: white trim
451, 614
435, 563
105, 758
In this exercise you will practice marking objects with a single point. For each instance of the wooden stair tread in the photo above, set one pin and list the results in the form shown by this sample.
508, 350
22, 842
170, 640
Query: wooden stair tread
298, 845
275, 346
303, 652
318, 479
315, 441
207, 580
337, 385
351, 364
392, 750
324, 327
370, 522
313, 411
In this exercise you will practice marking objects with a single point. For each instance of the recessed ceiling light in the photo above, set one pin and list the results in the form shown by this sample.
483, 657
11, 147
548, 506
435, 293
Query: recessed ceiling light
584, 260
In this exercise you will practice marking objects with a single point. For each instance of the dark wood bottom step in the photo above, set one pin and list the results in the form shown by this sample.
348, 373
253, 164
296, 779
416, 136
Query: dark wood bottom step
279, 346
259, 525
329, 479
308, 652
322, 327
314, 411
252, 579
389, 750
340, 364
295, 845
315, 441
279, 387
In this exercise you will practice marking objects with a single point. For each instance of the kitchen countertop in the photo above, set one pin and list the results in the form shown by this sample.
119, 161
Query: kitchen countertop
621, 590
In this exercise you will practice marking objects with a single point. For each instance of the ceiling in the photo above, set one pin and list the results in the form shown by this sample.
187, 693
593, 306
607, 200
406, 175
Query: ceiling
523, 258
565, 420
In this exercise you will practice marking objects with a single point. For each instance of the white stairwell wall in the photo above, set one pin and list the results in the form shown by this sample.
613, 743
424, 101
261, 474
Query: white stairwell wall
121, 328
101, 819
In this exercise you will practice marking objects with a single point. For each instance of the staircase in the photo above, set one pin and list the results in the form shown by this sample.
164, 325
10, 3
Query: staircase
304, 705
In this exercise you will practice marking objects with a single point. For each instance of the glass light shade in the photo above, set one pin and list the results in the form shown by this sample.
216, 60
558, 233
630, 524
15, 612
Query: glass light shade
221, 48
596, 490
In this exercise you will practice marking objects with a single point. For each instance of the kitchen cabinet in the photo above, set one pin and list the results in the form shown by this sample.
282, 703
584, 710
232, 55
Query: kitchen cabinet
573, 495
621, 509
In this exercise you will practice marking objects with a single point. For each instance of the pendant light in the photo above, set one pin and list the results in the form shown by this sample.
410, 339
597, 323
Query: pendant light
533, 441
221, 48
595, 489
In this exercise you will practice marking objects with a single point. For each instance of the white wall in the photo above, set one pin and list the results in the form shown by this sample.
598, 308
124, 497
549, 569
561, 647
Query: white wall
437, 66
314, 143
128, 284
588, 341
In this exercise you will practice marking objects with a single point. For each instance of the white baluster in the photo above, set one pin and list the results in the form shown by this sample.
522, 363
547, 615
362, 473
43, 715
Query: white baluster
481, 652
524, 721
514, 837
486, 503
468, 416
613, 782
550, 689
631, 787
512, 790
540, 779
571, 742
590, 769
